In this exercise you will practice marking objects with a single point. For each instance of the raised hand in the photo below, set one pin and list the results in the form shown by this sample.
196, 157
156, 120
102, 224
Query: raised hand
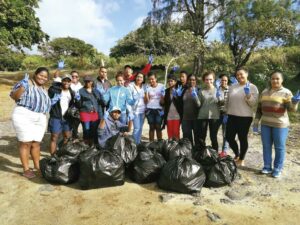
233, 80
175, 68
194, 92
296, 97
247, 88
61, 64
225, 119
77, 96
24, 82
150, 59
106, 114
55, 98
218, 83
179, 90
174, 92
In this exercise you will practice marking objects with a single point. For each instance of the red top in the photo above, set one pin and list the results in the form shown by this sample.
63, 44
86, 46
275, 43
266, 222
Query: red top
145, 71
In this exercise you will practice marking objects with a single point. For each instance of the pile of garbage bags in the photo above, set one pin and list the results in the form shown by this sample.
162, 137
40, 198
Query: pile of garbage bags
174, 164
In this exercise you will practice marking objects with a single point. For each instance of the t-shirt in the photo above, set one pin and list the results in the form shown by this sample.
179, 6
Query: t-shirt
64, 101
154, 96
173, 114
76, 87
139, 106
190, 106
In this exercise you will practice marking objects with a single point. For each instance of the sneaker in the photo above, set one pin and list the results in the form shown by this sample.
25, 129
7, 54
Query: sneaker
29, 174
222, 154
266, 170
276, 173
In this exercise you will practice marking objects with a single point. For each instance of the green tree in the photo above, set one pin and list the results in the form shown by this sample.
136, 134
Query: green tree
19, 27
250, 23
200, 17
10, 60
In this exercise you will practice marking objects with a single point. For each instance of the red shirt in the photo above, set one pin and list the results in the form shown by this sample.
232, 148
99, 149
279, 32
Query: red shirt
145, 71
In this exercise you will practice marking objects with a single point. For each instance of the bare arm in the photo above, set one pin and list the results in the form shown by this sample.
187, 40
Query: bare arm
16, 95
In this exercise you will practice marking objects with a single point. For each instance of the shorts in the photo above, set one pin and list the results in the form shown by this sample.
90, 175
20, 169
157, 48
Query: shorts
29, 126
58, 125
153, 117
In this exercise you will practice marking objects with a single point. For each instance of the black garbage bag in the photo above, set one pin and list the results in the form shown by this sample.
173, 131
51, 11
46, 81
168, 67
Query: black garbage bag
71, 149
60, 170
222, 173
206, 156
124, 146
146, 166
182, 147
157, 146
100, 169
183, 175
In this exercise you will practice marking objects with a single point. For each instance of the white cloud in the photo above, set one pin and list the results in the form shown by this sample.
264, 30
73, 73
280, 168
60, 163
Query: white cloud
85, 20
138, 22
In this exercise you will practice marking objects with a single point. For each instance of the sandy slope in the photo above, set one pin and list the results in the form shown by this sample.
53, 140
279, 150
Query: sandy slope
252, 199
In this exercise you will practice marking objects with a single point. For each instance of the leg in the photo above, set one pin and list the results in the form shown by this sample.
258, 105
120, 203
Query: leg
151, 132
267, 142
54, 137
86, 132
93, 132
243, 130
55, 127
136, 128
67, 130
201, 131
123, 118
231, 132
139, 134
213, 132
187, 130
35, 154
176, 129
75, 125
280, 136
24, 149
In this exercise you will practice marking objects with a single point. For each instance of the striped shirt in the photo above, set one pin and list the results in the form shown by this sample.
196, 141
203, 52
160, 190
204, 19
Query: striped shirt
222, 99
35, 99
273, 107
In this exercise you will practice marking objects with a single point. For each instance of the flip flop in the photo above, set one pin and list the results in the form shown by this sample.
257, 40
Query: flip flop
29, 174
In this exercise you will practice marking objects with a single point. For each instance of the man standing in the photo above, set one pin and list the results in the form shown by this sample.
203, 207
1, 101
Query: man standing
128, 72
101, 80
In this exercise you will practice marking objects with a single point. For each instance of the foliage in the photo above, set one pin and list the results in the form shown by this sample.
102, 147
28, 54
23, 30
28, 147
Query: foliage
250, 23
19, 27
10, 60
31, 62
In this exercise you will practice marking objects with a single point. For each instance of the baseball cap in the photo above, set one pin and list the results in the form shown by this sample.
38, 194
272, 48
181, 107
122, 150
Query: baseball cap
66, 76
88, 78
115, 108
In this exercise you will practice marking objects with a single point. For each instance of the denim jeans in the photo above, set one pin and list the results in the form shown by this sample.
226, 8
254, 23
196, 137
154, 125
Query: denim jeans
123, 118
138, 123
276, 136
225, 144
90, 130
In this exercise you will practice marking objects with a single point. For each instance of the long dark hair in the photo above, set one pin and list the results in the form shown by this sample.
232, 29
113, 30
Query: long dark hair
41, 69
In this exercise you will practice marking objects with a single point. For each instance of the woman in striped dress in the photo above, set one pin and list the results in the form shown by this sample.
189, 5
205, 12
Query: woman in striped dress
29, 117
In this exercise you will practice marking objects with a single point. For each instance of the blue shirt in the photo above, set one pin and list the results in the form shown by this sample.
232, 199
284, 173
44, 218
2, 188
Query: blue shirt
35, 98
118, 96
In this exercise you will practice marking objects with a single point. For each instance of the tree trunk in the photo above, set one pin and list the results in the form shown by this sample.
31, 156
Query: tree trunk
198, 65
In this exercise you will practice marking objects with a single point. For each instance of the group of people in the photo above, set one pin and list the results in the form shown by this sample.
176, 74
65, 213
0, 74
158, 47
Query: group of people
104, 110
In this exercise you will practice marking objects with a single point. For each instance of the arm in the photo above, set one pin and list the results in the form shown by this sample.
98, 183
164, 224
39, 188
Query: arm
16, 95
253, 97
129, 98
101, 127
258, 115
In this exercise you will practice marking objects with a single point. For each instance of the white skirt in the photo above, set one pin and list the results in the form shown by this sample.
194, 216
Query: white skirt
29, 125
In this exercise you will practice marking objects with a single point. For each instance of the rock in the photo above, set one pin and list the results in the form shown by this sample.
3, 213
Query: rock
266, 194
46, 188
212, 216
226, 201
165, 197
198, 202
238, 194
296, 190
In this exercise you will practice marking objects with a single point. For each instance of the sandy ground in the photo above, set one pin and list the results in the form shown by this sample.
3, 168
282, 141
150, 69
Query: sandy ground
251, 199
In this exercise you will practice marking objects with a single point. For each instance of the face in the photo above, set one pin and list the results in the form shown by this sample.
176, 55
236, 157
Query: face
171, 82
209, 80
75, 78
139, 79
127, 72
192, 81
242, 76
88, 84
276, 80
41, 78
120, 81
183, 78
65, 83
224, 81
115, 115
152, 81
103, 73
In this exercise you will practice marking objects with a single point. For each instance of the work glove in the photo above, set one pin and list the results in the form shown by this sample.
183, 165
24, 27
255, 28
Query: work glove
296, 97
55, 98
225, 119
24, 82
194, 92
218, 83
233, 80
77, 95
218, 94
60, 64
179, 90
247, 88
150, 59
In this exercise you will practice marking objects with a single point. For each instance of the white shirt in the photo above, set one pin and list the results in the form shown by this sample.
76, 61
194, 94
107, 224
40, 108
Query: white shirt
76, 87
64, 101
154, 96
139, 106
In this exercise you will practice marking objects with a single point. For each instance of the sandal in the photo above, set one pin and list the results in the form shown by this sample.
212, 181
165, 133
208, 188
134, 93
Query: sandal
29, 174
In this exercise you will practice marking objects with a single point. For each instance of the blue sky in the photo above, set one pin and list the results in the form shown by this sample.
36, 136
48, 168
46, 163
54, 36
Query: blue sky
98, 22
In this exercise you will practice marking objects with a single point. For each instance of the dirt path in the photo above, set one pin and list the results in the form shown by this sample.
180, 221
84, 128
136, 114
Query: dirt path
252, 199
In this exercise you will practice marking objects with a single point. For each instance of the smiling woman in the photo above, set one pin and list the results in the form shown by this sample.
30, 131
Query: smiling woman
29, 117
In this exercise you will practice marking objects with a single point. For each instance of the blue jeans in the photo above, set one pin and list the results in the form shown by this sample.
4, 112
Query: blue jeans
276, 136
225, 145
138, 123
123, 118
90, 130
